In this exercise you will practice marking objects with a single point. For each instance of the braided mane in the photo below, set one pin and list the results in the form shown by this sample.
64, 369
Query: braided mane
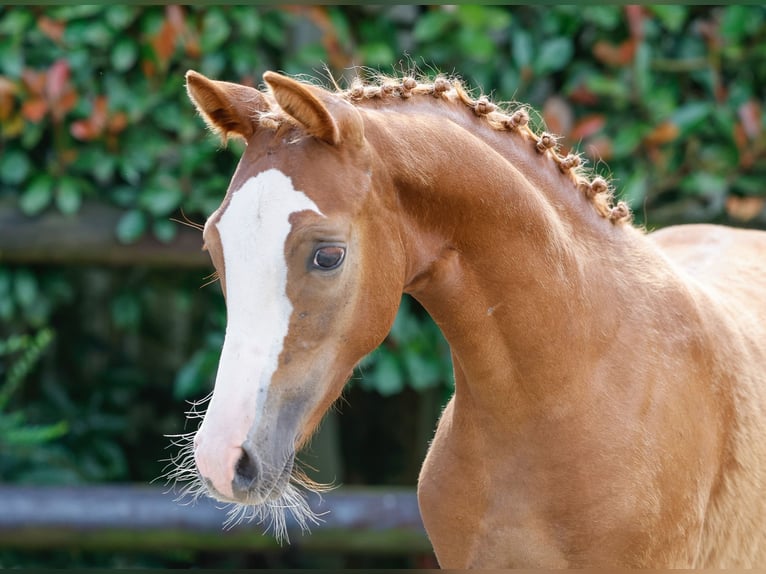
595, 188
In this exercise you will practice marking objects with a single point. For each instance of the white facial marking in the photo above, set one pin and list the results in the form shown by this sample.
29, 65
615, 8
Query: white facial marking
253, 230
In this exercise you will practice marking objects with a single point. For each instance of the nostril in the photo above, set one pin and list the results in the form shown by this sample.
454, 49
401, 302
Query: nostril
246, 471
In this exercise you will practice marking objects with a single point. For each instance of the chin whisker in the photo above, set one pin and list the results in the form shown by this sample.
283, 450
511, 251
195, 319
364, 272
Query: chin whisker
181, 478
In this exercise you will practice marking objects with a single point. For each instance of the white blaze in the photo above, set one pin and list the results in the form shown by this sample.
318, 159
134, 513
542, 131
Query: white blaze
253, 230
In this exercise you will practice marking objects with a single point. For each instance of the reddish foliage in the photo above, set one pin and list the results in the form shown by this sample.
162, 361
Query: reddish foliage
600, 148
582, 95
744, 208
750, 116
51, 28
7, 91
34, 110
48, 92
619, 55
635, 15
99, 122
663, 133
558, 115
587, 126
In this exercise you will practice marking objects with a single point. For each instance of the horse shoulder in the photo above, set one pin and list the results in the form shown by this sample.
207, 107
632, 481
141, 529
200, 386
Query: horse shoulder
725, 270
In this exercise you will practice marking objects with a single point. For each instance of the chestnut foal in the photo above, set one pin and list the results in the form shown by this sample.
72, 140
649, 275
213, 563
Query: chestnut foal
610, 385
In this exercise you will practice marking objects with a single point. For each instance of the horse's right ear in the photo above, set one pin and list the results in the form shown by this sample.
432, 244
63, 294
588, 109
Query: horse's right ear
228, 109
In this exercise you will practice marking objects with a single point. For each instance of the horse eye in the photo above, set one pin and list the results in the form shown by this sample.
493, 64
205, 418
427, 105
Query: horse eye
327, 258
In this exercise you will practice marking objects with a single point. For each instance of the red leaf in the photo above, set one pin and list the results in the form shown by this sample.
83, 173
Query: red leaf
662, 134
635, 15
582, 95
92, 127
7, 90
600, 148
587, 126
744, 208
34, 109
620, 55
56, 80
51, 28
34, 81
164, 43
175, 16
83, 130
558, 116
66, 103
118, 122
750, 116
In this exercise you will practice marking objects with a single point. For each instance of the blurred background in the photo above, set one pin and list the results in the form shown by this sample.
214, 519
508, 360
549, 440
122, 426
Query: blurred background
108, 327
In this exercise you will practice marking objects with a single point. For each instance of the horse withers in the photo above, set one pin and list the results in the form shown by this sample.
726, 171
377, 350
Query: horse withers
610, 385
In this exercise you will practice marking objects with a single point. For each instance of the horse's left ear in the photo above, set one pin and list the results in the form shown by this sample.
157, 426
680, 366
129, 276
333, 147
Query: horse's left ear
324, 115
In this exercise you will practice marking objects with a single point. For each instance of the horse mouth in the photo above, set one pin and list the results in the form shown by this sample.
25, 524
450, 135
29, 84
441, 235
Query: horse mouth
269, 488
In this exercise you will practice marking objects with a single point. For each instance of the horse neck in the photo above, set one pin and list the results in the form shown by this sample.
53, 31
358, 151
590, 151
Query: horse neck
512, 264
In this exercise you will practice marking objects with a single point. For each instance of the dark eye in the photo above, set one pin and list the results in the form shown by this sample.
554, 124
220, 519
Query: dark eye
329, 257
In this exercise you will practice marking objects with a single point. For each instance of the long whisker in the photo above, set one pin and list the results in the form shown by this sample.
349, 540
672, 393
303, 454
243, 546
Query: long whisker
212, 278
188, 222
181, 477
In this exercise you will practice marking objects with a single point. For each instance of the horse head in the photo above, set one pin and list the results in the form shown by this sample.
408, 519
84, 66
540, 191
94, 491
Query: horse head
311, 281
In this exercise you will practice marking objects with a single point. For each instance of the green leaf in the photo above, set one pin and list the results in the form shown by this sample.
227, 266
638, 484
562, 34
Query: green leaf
628, 139
164, 230
605, 17
750, 185
37, 196
376, 54
671, 16
126, 311
385, 376
14, 167
422, 373
521, 48
736, 22
120, 16
215, 30
634, 191
124, 54
691, 115
68, 197
432, 25
131, 226
25, 288
16, 22
34, 434
340, 25
249, 22
11, 60
554, 55
476, 43
705, 184
197, 374
609, 87
160, 200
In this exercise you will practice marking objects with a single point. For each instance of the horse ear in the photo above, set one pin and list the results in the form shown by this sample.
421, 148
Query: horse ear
228, 109
307, 104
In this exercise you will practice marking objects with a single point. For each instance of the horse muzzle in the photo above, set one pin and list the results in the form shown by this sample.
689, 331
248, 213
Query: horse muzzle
257, 480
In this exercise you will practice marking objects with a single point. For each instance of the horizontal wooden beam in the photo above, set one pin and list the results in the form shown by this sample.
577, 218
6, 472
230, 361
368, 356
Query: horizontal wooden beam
88, 237
142, 518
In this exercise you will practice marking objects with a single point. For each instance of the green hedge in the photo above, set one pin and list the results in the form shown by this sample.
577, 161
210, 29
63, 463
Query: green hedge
667, 100
92, 99
95, 363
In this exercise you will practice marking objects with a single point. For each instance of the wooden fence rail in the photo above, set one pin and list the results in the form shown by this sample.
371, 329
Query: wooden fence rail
88, 237
141, 518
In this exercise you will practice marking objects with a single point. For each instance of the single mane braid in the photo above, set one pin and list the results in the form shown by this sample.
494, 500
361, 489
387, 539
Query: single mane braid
517, 121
